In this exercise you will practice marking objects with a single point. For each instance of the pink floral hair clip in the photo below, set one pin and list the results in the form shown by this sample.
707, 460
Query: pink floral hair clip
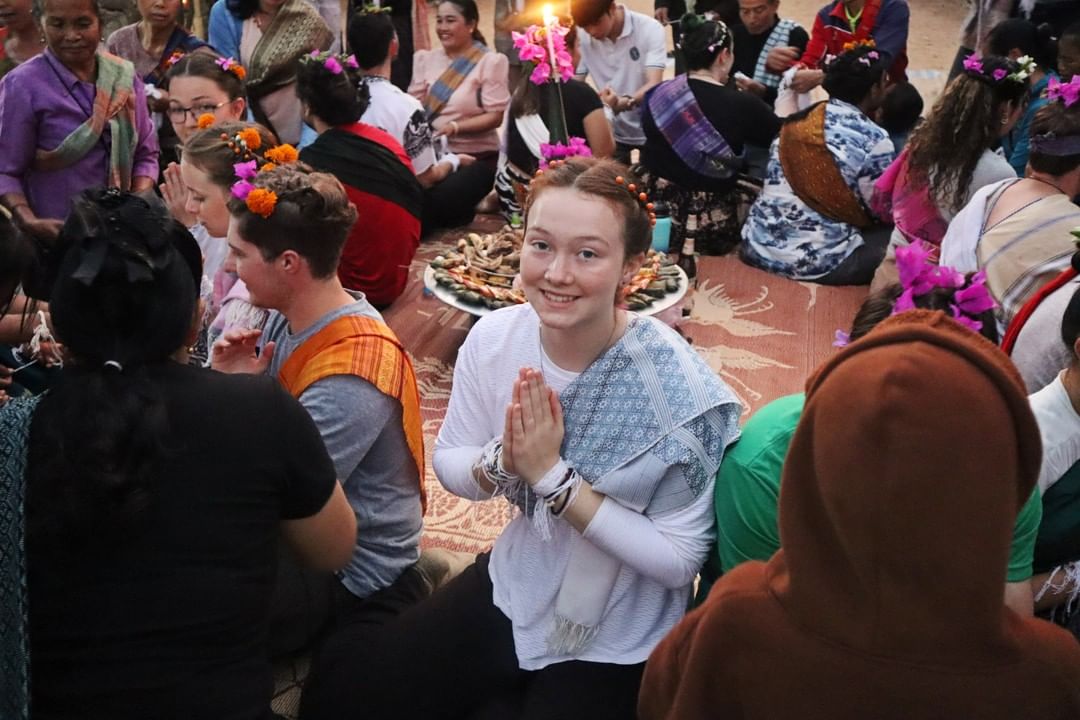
919, 276
231, 66
174, 58
334, 64
974, 67
1066, 93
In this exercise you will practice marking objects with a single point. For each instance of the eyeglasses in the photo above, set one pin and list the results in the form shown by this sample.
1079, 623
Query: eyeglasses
179, 114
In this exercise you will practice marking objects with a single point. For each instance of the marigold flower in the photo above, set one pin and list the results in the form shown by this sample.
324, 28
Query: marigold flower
261, 201
206, 120
267, 167
238, 70
251, 138
282, 154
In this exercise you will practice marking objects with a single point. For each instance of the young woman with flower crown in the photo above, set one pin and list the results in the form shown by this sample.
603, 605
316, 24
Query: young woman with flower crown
950, 155
208, 173
203, 89
604, 429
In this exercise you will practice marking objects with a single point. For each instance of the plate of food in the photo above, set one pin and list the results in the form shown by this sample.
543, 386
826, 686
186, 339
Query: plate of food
478, 276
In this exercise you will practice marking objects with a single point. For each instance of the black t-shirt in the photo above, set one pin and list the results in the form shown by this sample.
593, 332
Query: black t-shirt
739, 117
172, 622
579, 100
748, 48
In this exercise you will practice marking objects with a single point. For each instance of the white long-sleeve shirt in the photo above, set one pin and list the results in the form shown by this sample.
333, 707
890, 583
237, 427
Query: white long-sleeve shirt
660, 554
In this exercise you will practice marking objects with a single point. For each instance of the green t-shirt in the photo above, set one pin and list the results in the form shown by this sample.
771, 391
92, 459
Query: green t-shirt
748, 493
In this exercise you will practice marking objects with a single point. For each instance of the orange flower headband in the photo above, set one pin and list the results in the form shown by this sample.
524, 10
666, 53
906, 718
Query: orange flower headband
258, 200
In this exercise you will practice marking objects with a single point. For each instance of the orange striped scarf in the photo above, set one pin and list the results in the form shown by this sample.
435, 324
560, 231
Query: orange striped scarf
353, 345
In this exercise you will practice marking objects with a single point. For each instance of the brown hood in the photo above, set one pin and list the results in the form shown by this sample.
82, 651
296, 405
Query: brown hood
914, 453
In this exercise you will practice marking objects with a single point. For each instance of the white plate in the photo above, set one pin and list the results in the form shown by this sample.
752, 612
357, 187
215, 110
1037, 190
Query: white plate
453, 301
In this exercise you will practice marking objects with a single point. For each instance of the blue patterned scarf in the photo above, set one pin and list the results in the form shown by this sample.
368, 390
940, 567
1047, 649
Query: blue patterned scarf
440, 91
683, 124
650, 394
15, 419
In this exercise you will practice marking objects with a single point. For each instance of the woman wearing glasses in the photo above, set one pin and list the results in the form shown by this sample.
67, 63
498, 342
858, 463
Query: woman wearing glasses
70, 119
199, 85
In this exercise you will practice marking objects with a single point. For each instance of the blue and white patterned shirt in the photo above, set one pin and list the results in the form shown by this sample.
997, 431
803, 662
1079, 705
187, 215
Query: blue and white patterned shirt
787, 237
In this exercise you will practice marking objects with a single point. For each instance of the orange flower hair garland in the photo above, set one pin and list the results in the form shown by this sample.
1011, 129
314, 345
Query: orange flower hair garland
260, 200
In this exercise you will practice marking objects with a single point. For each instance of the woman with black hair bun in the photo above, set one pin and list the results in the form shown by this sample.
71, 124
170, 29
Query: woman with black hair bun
813, 219
155, 494
375, 171
1019, 39
697, 127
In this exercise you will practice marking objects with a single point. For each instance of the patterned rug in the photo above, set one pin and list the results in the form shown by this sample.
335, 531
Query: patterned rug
762, 334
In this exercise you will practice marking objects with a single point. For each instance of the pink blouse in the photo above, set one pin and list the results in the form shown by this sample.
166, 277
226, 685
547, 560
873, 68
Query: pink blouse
483, 90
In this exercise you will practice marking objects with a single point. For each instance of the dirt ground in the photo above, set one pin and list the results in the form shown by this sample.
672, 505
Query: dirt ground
935, 27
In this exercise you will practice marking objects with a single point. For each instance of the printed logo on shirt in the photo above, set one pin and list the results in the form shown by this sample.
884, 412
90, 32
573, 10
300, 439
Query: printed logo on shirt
635, 54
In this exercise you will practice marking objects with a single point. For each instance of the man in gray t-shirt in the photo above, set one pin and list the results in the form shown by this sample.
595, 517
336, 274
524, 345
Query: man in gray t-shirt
353, 386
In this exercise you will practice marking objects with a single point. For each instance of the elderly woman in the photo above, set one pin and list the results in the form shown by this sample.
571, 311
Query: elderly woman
71, 118
268, 37
463, 86
20, 34
156, 41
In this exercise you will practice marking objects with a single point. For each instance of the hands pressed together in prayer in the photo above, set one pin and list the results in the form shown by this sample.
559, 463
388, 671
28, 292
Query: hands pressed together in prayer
533, 432
175, 194
237, 352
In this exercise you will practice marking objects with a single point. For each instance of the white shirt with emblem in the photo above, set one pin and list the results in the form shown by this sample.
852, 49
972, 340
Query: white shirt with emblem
622, 65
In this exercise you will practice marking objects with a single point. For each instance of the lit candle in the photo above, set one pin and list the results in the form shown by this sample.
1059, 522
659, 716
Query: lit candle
550, 23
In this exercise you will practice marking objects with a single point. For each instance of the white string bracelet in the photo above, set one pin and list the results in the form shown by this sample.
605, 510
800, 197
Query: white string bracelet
490, 464
1068, 584
42, 335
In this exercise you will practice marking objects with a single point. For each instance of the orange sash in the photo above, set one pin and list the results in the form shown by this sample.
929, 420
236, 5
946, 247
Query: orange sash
811, 170
353, 345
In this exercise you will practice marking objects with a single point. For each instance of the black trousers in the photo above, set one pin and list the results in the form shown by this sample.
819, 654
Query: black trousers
452, 657
859, 267
452, 203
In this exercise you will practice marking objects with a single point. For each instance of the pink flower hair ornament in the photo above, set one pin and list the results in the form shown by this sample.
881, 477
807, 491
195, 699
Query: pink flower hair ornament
574, 147
974, 67
920, 276
1066, 93
334, 64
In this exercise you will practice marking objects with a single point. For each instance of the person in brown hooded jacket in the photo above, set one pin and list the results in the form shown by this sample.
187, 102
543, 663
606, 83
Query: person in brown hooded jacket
914, 452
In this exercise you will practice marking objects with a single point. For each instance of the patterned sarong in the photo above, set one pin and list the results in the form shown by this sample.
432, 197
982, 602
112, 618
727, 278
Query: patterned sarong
114, 104
15, 420
683, 124
368, 349
452, 77
812, 173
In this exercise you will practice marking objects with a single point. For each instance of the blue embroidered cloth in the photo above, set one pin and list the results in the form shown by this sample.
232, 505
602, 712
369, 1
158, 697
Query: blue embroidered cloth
650, 393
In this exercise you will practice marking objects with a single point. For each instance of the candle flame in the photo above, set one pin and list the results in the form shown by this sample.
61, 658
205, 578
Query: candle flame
549, 17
